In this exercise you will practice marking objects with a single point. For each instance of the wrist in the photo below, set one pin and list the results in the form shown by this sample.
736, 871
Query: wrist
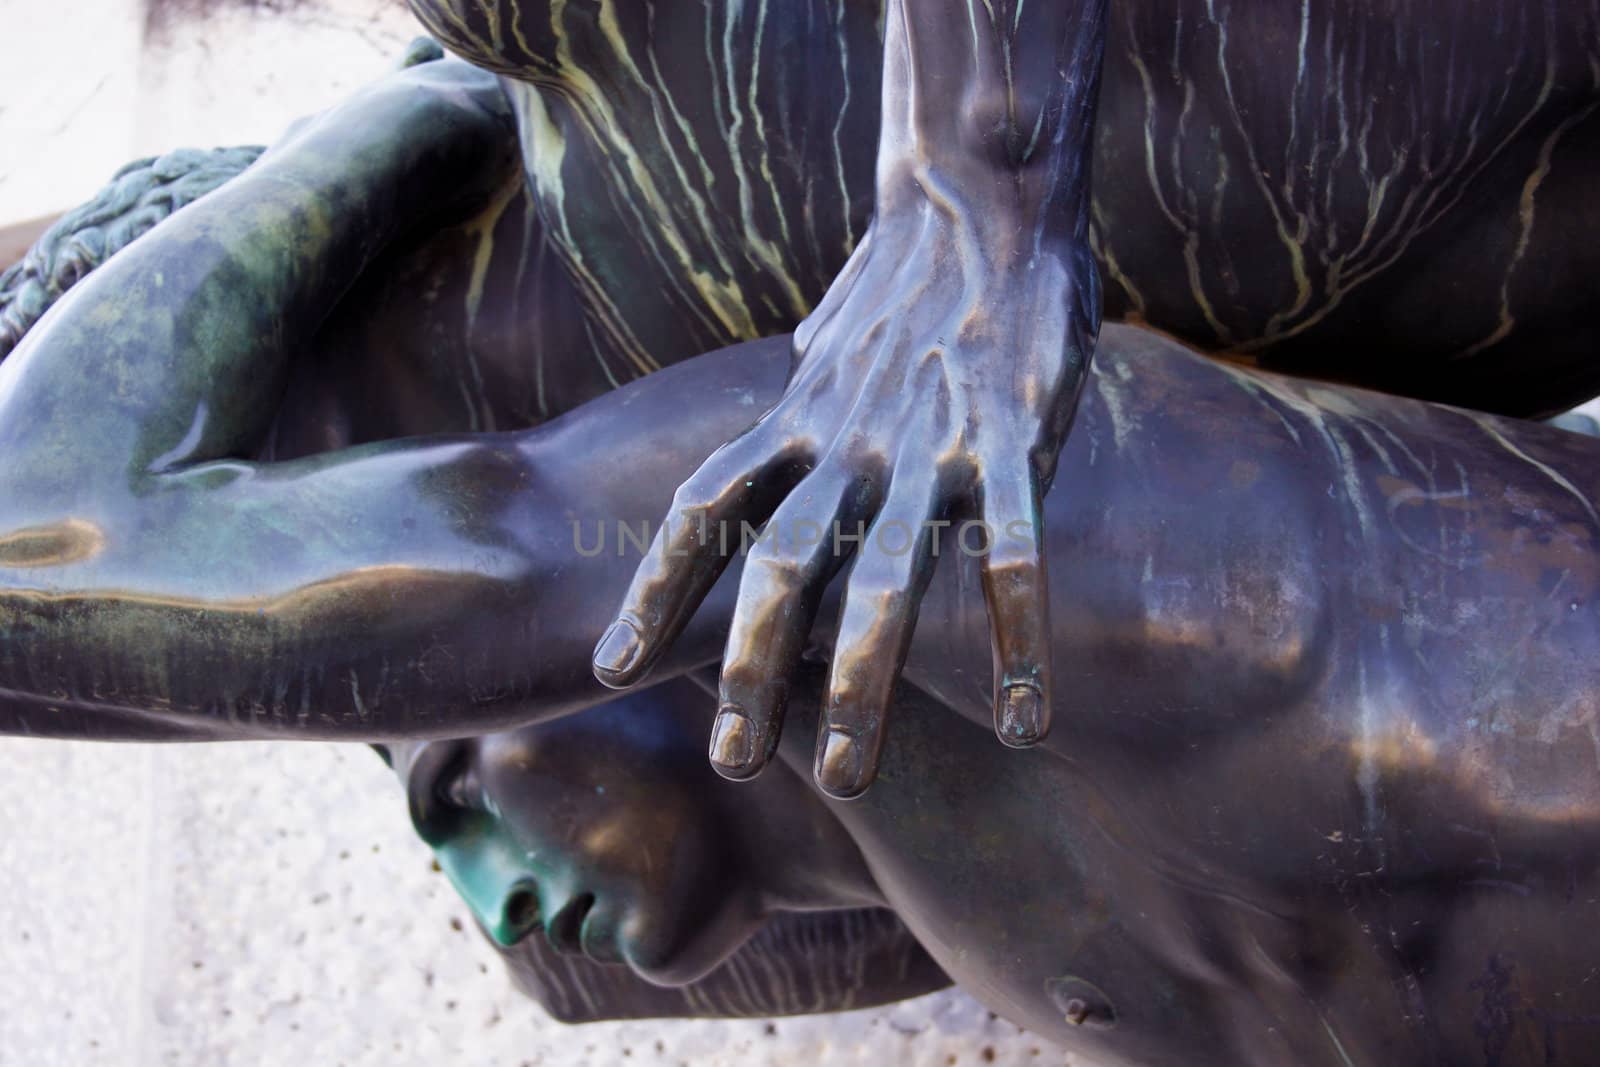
1002, 217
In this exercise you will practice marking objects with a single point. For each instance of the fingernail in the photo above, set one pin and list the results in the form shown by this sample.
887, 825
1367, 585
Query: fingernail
618, 650
839, 765
733, 743
1021, 716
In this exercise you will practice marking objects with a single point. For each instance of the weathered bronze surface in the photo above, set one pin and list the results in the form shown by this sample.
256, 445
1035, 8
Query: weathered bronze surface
1392, 194
607, 833
1324, 781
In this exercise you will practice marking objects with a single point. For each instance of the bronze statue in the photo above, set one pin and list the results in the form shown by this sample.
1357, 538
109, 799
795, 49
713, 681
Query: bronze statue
1329, 787
1333, 746
1391, 194
1288, 204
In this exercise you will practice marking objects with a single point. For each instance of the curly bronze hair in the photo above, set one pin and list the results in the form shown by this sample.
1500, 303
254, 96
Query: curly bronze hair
139, 195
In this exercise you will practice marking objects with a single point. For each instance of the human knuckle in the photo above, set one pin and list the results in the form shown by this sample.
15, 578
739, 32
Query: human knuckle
883, 600
855, 690
1010, 560
700, 494
882, 587
775, 569
1013, 586
747, 681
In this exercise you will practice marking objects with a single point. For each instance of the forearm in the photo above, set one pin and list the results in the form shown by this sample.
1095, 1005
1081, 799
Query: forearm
175, 350
318, 598
989, 106
137, 573
415, 588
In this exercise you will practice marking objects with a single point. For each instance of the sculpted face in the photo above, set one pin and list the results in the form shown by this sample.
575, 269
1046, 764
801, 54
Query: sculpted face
607, 832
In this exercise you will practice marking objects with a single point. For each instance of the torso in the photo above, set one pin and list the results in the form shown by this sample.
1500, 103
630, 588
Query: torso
1322, 787
1395, 196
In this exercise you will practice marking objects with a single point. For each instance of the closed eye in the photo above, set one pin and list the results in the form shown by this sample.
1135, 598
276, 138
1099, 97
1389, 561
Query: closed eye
440, 786
460, 789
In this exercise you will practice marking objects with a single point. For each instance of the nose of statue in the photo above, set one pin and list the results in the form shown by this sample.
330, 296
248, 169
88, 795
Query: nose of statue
516, 916
493, 876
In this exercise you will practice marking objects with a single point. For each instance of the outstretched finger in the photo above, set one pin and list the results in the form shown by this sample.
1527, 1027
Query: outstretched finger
881, 600
739, 483
801, 549
1015, 589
